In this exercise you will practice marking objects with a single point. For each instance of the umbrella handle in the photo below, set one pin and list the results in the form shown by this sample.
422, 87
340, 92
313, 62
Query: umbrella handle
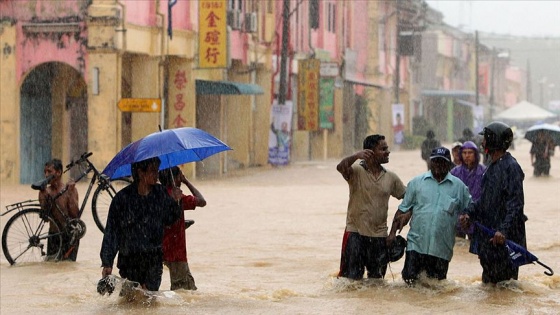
550, 272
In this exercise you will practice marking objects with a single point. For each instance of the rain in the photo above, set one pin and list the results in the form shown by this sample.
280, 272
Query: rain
297, 88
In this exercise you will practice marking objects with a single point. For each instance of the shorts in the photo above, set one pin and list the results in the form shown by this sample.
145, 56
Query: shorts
144, 268
415, 263
360, 253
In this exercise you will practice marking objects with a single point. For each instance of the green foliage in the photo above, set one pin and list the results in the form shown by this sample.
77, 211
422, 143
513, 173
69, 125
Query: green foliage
420, 126
412, 142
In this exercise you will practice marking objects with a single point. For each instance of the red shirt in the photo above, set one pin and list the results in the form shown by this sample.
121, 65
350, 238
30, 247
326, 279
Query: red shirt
174, 239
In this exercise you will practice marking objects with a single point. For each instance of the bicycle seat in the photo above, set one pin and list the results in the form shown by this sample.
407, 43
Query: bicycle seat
41, 184
188, 223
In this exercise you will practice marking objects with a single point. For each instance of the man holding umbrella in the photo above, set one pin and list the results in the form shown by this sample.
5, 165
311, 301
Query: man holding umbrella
135, 225
541, 150
499, 208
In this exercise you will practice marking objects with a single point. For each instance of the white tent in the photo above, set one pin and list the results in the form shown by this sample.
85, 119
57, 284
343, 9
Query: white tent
524, 111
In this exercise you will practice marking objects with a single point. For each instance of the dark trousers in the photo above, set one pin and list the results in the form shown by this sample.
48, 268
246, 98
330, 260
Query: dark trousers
144, 268
416, 263
496, 264
360, 253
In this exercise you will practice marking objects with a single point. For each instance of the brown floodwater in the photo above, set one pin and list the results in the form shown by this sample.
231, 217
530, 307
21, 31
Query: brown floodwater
268, 242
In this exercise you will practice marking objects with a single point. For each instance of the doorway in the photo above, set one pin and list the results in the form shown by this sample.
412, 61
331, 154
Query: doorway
53, 118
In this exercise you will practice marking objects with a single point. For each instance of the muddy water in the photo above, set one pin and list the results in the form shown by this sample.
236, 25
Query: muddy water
269, 243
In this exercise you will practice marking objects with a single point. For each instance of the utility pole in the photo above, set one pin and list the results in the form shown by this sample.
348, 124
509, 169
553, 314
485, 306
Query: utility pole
529, 83
397, 55
284, 52
476, 78
492, 75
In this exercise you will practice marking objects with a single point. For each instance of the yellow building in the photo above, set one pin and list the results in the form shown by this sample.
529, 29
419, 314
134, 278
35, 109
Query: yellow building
87, 56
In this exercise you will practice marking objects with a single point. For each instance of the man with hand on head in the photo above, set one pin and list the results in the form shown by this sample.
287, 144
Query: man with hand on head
365, 242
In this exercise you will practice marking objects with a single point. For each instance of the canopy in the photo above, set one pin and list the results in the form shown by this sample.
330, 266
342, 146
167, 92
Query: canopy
204, 87
524, 111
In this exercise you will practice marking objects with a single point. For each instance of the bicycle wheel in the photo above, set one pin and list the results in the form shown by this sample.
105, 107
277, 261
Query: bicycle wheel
102, 200
26, 237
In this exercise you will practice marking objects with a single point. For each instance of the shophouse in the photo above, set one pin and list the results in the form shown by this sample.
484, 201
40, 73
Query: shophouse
67, 65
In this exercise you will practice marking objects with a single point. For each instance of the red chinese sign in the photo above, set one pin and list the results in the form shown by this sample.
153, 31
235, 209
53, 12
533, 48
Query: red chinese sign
180, 82
308, 94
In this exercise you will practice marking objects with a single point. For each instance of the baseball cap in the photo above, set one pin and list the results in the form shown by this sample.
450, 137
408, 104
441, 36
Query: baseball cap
441, 152
456, 144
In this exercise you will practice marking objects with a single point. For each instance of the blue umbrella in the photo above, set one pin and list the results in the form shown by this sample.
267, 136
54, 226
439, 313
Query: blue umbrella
172, 146
518, 255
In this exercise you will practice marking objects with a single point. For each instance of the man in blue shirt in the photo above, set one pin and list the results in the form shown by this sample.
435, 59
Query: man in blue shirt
500, 206
437, 198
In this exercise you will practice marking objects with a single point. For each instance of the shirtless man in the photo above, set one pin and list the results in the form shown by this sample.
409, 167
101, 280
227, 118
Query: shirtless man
67, 203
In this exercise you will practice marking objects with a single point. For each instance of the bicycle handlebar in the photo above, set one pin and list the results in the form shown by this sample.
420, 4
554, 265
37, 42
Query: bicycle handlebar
82, 158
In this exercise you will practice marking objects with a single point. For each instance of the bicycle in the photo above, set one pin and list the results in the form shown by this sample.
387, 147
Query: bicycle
25, 234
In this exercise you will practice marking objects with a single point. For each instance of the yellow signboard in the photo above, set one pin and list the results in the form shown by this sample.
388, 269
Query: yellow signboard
308, 94
151, 105
212, 34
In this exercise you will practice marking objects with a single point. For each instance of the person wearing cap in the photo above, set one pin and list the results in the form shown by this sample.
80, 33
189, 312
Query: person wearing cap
500, 206
455, 148
432, 203
365, 244
470, 172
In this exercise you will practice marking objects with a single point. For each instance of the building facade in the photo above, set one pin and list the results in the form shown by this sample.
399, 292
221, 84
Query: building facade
67, 65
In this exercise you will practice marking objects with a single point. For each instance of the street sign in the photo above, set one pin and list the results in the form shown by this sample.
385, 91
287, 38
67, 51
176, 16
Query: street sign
328, 69
151, 105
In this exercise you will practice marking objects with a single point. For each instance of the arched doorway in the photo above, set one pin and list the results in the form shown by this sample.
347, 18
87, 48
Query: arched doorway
53, 118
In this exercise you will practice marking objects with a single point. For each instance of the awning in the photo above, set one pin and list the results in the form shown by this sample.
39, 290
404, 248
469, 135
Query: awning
448, 93
364, 83
204, 87
466, 103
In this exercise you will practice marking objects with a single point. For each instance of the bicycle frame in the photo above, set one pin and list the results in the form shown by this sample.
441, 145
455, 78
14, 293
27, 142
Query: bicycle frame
29, 235
21, 205
97, 177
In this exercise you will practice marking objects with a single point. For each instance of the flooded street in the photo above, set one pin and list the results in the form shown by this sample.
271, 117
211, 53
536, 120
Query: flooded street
268, 242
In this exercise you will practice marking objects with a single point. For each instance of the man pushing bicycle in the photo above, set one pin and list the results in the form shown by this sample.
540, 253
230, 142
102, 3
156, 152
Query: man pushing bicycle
67, 203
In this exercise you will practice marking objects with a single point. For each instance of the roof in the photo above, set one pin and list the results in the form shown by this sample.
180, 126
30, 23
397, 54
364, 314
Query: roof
524, 111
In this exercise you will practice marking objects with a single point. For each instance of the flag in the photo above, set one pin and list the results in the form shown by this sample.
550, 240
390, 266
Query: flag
170, 5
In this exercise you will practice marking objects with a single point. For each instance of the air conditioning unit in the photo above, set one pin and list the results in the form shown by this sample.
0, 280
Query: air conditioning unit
234, 19
251, 22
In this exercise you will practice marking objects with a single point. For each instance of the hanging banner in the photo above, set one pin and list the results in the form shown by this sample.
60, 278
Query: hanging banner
280, 135
326, 103
398, 126
308, 94
212, 34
